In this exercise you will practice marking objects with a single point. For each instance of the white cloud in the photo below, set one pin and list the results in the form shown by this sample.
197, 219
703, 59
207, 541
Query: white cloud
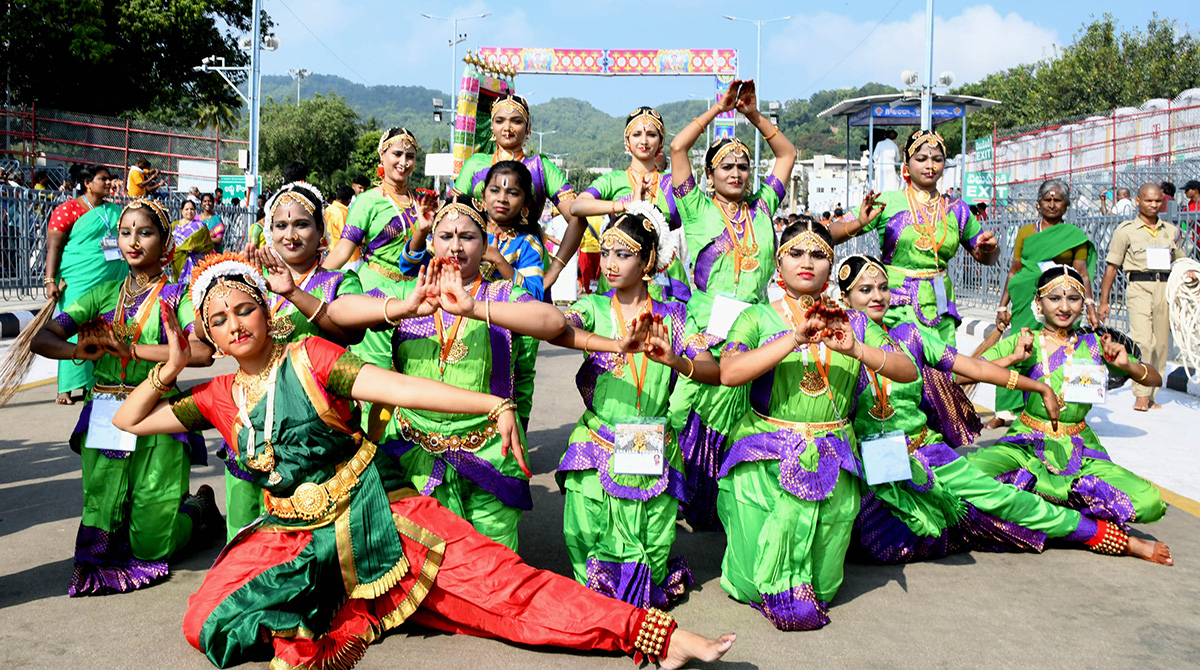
972, 44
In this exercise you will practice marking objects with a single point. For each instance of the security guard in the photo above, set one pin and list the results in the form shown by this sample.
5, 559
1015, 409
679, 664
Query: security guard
1144, 248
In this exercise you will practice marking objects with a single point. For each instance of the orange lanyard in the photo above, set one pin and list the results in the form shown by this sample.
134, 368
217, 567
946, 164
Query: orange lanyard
302, 285
447, 342
652, 182
143, 313
639, 381
823, 367
393, 198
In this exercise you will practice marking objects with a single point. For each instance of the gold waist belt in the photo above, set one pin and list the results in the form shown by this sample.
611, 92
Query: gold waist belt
394, 275
310, 501
120, 390
918, 274
436, 443
808, 429
608, 445
1064, 429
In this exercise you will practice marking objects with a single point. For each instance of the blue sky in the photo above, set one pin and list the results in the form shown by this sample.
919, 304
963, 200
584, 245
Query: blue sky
826, 45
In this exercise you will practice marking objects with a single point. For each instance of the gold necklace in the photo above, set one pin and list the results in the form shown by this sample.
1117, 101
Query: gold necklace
254, 386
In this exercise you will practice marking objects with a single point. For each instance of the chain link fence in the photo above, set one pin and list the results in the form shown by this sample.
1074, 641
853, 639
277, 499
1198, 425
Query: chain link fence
24, 214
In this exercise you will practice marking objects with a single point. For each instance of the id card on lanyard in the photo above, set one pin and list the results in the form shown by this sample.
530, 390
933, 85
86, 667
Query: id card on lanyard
725, 311
639, 446
885, 458
102, 434
108, 243
1085, 383
1158, 259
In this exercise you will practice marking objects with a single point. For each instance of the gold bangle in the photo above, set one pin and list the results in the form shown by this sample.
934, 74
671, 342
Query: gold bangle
1013, 376
501, 407
133, 357
560, 261
882, 363
386, 318
49, 280
770, 137
487, 313
1145, 372
696, 120
585, 342
321, 312
155, 382
691, 367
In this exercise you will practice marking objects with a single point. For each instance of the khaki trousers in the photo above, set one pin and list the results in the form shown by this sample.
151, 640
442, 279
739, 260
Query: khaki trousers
1150, 327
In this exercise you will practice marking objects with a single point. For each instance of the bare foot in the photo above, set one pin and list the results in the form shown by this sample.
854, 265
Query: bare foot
64, 399
1155, 405
1155, 552
995, 423
686, 646
1142, 404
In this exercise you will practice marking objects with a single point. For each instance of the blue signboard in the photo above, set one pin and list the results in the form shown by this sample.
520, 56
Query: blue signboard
905, 115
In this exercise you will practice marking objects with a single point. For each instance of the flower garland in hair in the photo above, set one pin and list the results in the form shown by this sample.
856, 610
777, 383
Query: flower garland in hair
289, 193
666, 242
227, 271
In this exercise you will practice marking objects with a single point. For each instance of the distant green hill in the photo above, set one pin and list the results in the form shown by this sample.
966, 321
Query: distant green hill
590, 136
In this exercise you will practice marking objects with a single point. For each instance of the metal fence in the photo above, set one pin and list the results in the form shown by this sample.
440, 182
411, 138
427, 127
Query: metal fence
24, 214
980, 286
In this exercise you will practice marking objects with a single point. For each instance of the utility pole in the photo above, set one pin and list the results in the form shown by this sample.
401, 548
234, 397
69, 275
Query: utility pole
927, 93
299, 75
758, 77
456, 38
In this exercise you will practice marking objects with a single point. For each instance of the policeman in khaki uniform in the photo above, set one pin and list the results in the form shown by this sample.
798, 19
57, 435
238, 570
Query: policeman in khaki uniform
1144, 248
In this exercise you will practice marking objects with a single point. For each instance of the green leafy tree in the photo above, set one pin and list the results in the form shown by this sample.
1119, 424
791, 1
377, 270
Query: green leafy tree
130, 58
320, 132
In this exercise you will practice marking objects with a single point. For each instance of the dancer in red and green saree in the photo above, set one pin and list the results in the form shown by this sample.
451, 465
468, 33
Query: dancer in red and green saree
1065, 463
81, 251
338, 560
920, 230
732, 239
466, 340
302, 291
643, 181
948, 505
1039, 245
510, 128
790, 480
619, 521
133, 521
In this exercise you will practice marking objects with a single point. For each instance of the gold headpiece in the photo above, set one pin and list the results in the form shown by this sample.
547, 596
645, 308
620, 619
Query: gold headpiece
289, 193
807, 240
870, 268
644, 115
1064, 280
735, 147
219, 274
161, 219
615, 234
922, 138
405, 138
511, 103
453, 210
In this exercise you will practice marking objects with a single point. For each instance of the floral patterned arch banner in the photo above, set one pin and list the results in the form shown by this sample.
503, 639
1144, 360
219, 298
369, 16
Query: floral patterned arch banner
721, 62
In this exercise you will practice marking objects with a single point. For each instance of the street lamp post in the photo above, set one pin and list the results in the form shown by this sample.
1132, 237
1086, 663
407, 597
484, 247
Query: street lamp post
559, 159
927, 94
540, 134
299, 75
256, 43
758, 75
456, 38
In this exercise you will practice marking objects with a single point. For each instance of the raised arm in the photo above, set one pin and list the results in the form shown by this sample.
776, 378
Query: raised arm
781, 146
681, 166
535, 319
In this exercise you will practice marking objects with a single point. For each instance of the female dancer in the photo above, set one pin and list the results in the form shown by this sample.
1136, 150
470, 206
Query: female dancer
1066, 463
384, 218
510, 128
192, 243
612, 192
468, 341
1038, 245
731, 237
82, 251
919, 232
132, 518
338, 560
619, 521
212, 220
302, 293
789, 487
926, 517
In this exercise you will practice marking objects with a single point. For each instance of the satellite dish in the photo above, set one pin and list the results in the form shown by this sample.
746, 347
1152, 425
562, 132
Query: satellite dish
909, 77
946, 78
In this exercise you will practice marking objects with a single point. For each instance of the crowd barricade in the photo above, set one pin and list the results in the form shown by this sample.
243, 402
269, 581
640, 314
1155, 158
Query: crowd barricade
24, 214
